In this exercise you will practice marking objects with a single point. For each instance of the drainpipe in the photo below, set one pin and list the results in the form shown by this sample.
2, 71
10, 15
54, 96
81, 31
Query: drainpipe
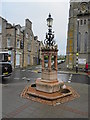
15, 50
23, 50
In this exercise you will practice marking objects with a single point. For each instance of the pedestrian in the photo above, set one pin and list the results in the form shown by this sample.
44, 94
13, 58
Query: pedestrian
86, 67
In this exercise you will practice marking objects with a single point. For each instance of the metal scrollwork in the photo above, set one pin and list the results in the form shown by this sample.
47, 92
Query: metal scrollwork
49, 41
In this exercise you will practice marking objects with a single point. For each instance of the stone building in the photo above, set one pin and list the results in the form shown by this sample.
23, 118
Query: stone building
36, 50
20, 43
18, 49
7, 39
38, 45
11, 39
3, 23
28, 43
0, 34
31, 45
78, 41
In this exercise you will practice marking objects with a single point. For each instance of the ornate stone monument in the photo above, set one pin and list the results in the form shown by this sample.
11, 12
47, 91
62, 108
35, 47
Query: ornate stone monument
48, 88
49, 82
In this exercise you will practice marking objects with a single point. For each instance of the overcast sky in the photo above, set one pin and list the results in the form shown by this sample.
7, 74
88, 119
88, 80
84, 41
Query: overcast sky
37, 12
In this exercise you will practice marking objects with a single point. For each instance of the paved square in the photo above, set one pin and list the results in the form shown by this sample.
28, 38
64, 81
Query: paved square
13, 106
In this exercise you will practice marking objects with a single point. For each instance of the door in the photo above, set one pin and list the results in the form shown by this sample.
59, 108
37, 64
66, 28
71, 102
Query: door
28, 59
17, 60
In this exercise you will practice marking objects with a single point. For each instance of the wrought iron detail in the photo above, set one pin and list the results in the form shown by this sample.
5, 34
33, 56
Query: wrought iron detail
49, 41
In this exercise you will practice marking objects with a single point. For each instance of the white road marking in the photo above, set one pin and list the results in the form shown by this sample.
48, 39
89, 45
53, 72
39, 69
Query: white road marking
70, 78
69, 81
23, 70
28, 79
24, 78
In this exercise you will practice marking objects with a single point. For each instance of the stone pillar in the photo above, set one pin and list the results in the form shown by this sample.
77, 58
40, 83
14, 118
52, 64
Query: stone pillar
42, 61
49, 62
55, 62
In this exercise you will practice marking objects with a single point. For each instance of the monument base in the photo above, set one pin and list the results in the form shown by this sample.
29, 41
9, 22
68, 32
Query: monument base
55, 98
49, 96
48, 86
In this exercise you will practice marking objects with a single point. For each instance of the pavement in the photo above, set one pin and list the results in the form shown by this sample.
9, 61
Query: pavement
14, 106
63, 69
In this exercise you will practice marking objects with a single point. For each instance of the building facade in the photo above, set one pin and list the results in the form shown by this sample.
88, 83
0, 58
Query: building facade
20, 43
78, 40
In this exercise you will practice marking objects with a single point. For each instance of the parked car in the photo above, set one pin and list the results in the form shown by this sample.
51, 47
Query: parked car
60, 61
6, 69
5, 65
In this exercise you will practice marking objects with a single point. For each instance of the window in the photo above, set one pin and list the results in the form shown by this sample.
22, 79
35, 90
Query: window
85, 41
21, 44
0, 28
28, 47
8, 42
28, 59
1, 57
30, 37
0, 42
18, 44
18, 31
26, 35
81, 22
84, 21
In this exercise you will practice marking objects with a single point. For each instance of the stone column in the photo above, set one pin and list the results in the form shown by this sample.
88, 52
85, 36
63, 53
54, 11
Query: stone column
55, 62
49, 62
42, 61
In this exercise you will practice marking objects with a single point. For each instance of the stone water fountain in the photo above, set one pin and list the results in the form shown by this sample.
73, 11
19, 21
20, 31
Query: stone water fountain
48, 89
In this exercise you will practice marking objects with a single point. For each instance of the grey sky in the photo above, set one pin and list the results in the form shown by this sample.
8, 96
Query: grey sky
37, 12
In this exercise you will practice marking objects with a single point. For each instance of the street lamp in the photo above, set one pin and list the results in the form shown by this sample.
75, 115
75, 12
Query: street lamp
49, 41
49, 21
77, 45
